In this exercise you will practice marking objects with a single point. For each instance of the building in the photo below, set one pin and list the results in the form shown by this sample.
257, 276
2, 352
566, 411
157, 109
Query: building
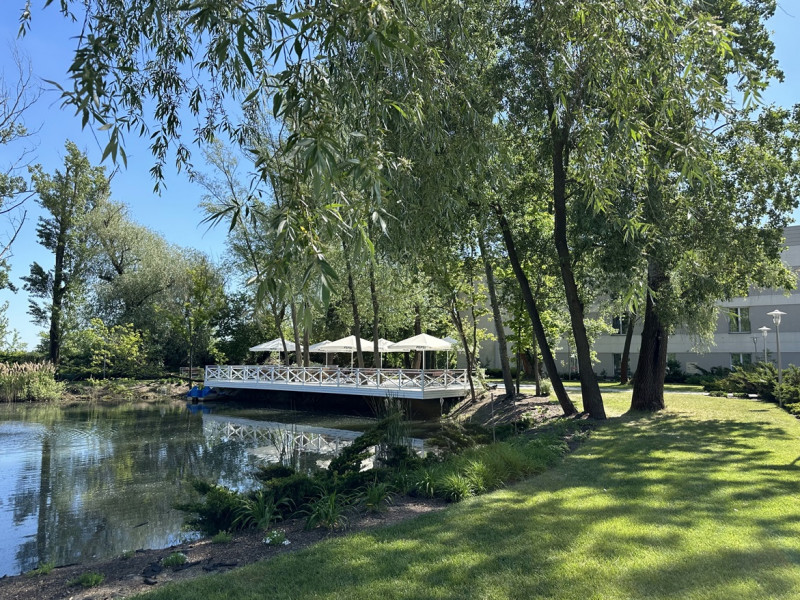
737, 339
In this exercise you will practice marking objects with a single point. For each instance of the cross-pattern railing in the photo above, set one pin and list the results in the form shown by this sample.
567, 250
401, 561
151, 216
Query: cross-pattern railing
380, 379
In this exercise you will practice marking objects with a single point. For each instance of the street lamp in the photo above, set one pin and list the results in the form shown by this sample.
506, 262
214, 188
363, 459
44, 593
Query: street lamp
776, 319
755, 348
764, 331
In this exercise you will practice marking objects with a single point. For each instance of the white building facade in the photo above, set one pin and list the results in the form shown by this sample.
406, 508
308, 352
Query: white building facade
737, 339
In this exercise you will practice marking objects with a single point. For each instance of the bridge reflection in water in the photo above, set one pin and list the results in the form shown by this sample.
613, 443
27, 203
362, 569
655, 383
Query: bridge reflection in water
289, 444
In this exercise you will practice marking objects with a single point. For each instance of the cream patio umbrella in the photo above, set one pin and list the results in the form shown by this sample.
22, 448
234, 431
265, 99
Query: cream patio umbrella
319, 347
383, 346
275, 346
421, 342
347, 344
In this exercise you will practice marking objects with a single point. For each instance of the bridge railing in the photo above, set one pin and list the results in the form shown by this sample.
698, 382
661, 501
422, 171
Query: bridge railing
337, 377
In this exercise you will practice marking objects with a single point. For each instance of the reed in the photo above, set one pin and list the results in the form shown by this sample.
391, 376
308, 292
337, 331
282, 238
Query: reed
29, 381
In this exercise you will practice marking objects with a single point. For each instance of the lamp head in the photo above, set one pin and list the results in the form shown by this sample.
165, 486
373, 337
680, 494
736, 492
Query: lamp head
764, 331
776, 316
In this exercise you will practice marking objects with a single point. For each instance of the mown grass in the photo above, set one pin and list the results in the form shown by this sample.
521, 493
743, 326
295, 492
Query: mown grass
700, 501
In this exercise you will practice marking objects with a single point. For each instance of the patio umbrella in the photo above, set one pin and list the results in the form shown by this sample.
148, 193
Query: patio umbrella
347, 344
421, 342
383, 346
319, 347
274, 346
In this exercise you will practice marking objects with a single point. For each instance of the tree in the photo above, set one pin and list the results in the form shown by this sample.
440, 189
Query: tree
16, 99
68, 197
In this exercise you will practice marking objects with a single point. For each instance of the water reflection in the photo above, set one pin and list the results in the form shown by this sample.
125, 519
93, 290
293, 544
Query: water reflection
96, 482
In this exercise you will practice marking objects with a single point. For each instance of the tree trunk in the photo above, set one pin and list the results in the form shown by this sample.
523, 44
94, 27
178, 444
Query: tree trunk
456, 317
296, 331
376, 357
278, 316
590, 389
306, 353
626, 350
648, 385
354, 300
417, 364
530, 304
508, 380
536, 375
59, 291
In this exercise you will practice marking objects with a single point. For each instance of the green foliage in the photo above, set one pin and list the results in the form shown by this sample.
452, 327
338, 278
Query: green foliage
485, 468
455, 487
176, 559
327, 510
276, 538
376, 496
260, 510
297, 489
790, 388
760, 379
216, 511
29, 381
87, 580
675, 372
42, 569
222, 537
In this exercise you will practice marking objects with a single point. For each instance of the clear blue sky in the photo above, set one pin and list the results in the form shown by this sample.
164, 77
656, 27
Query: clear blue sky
174, 213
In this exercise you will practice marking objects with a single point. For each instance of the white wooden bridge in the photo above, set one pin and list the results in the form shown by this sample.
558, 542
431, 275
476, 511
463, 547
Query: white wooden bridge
396, 383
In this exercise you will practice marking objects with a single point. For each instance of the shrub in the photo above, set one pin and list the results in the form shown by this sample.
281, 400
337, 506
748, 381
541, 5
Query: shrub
760, 379
376, 496
176, 559
87, 580
545, 387
297, 489
675, 373
328, 510
276, 538
42, 569
455, 487
259, 510
223, 537
216, 511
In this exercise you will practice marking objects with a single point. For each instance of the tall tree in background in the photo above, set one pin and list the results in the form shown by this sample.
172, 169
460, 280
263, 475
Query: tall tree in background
67, 196
16, 98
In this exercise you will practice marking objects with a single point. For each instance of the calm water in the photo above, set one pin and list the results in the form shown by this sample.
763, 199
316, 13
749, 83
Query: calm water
90, 482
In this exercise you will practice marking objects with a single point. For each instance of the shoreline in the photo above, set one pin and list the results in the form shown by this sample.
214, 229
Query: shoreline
141, 571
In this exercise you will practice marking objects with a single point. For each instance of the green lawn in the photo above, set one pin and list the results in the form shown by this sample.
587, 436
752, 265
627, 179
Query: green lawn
700, 501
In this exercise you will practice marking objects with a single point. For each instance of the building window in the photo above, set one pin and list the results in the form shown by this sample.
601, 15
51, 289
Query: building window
619, 324
741, 359
617, 364
739, 320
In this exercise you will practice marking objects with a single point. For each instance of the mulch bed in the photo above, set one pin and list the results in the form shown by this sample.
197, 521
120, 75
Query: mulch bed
128, 576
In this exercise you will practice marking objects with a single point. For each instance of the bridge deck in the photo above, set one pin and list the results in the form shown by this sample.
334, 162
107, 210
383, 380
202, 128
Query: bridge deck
396, 383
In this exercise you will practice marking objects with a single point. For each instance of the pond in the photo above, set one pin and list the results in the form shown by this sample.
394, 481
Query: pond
96, 482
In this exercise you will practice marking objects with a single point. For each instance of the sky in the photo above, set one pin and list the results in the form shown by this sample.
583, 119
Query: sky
174, 212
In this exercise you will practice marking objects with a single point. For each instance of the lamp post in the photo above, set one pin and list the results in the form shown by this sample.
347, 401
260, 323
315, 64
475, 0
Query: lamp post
764, 331
755, 348
776, 319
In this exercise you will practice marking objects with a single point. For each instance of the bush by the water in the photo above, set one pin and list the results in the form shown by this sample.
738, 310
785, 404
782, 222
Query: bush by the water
29, 381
